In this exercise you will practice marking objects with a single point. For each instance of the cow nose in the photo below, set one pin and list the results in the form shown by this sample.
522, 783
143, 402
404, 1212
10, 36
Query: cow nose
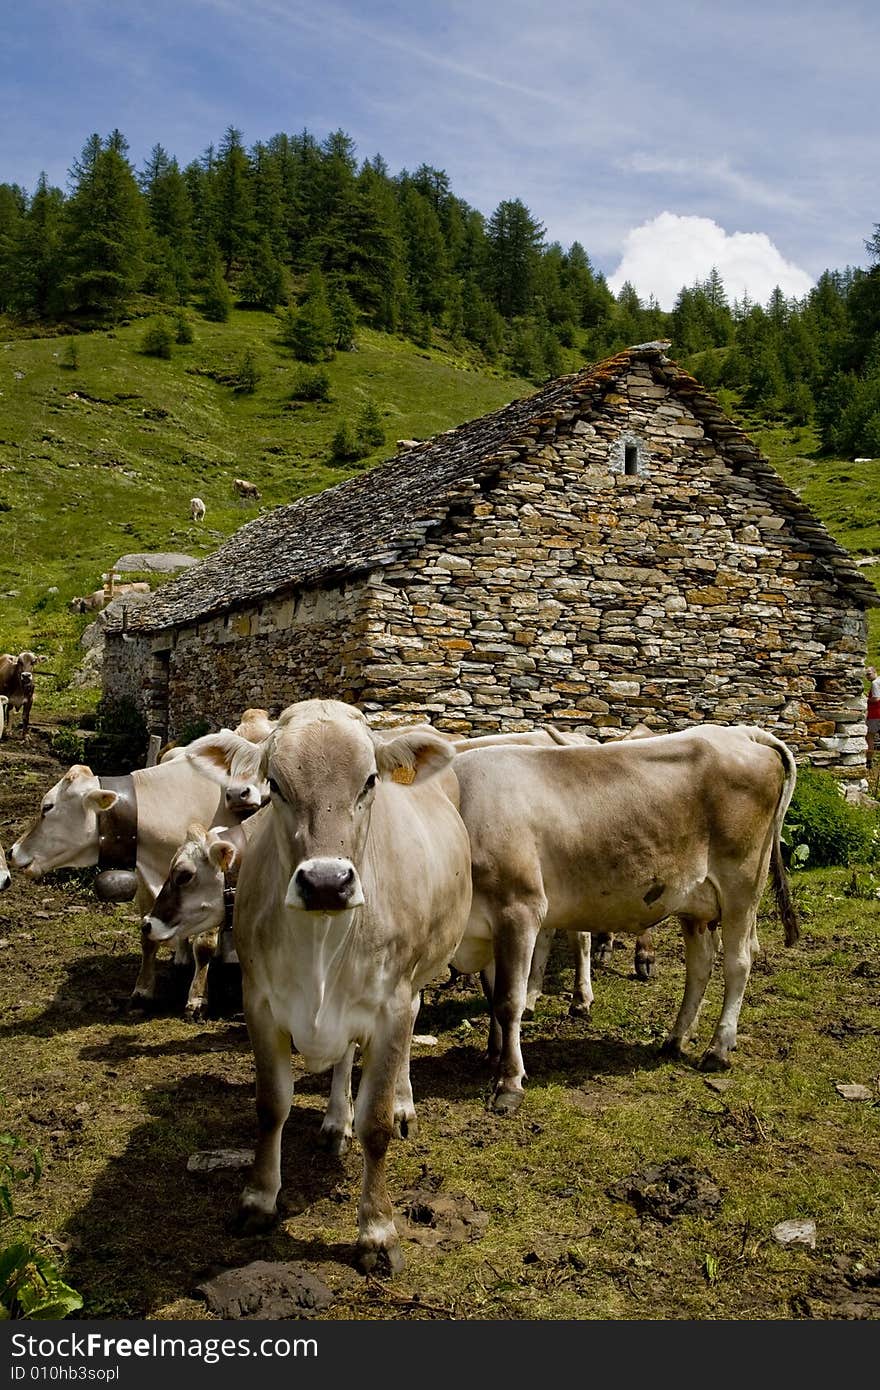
325, 887
5, 879
19, 857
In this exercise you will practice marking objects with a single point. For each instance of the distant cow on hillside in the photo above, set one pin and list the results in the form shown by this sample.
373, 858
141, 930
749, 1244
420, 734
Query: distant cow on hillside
244, 488
17, 685
197, 509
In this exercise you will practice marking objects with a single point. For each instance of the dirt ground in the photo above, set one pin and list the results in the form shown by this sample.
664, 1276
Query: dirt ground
567, 1210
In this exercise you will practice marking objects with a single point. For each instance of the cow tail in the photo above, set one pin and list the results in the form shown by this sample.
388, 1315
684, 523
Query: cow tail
785, 904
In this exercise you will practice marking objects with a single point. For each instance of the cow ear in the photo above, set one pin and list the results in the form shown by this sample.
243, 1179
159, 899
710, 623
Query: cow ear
98, 799
420, 752
226, 756
222, 855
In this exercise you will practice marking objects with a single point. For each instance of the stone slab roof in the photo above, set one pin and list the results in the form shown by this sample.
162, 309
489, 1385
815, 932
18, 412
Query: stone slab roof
370, 520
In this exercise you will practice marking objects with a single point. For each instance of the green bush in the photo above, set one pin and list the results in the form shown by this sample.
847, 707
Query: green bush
183, 330
346, 446
158, 341
311, 384
247, 375
835, 831
119, 743
67, 745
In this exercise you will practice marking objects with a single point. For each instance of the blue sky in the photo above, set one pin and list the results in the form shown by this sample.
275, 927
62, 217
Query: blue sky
665, 137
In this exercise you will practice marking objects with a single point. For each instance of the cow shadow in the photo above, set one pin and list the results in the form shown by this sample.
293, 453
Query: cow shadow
97, 990
166, 1229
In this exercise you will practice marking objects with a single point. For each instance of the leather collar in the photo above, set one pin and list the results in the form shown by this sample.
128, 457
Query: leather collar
118, 827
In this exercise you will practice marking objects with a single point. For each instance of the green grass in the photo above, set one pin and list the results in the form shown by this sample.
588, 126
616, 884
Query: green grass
103, 459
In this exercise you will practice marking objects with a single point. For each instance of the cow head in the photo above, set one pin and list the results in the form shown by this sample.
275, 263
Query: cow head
323, 765
24, 666
191, 900
65, 834
5, 878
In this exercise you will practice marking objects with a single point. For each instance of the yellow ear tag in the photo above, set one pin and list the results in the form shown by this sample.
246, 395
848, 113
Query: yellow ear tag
404, 775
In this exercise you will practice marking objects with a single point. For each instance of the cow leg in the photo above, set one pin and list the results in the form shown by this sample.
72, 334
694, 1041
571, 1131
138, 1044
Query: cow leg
582, 998
257, 1207
487, 980
603, 944
536, 972
145, 984
514, 933
197, 1000
645, 963
336, 1127
378, 1243
406, 1126
699, 955
737, 934
26, 718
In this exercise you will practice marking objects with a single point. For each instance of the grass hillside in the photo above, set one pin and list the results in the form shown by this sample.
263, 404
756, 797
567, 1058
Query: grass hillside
103, 457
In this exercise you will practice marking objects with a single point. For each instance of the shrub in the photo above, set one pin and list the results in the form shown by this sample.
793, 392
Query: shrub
216, 297
370, 430
311, 384
247, 375
158, 341
119, 743
67, 745
183, 330
835, 831
70, 356
346, 446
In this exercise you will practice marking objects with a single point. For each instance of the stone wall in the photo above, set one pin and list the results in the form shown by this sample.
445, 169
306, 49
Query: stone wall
572, 589
293, 649
576, 592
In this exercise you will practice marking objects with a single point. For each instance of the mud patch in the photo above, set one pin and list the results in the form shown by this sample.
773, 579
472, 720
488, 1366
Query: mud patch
266, 1289
847, 1291
429, 1217
668, 1190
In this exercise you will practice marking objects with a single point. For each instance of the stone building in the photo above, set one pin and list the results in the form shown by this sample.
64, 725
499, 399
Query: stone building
612, 549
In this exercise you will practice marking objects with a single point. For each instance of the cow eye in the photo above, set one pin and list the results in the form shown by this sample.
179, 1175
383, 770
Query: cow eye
44, 810
369, 784
274, 788
183, 876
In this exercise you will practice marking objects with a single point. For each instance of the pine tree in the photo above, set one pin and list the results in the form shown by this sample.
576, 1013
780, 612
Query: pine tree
235, 222
515, 240
216, 295
106, 228
262, 280
344, 313
310, 329
13, 203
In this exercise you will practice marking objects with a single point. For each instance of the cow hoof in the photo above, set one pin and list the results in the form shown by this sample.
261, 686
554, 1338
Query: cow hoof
577, 1010
528, 1013
646, 968
673, 1048
714, 1061
253, 1221
507, 1102
382, 1261
139, 1000
196, 1013
601, 955
334, 1142
405, 1127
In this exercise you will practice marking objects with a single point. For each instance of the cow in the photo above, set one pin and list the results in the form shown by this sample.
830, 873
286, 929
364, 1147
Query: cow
409, 443
245, 489
628, 833
354, 894
75, 823
5, 877
197, 509
17, 684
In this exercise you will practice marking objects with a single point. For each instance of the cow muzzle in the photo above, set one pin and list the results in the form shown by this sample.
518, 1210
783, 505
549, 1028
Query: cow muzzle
5, 879
325, 885
154, 929
24, 861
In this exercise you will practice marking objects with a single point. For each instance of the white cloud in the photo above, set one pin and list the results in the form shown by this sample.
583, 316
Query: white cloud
670, 251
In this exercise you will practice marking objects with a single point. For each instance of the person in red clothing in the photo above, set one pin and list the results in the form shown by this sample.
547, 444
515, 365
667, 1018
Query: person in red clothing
873, 711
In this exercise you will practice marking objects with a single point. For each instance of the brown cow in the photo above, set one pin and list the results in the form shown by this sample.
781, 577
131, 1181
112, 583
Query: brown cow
629, 833
17, 684
245, 489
